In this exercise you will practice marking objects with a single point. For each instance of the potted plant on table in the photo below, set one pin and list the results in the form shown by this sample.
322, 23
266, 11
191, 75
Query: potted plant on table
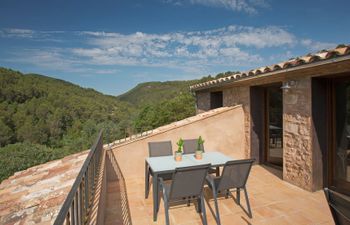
178, 153
199, 151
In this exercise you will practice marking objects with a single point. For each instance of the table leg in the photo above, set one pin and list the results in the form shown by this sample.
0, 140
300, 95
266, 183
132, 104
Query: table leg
217, 173
155, 196
146, 179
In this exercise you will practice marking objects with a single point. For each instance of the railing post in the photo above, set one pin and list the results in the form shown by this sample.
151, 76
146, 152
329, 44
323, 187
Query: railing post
75, 209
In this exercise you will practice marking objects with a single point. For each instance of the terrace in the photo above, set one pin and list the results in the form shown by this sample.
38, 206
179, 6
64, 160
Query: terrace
106, 184
115, 191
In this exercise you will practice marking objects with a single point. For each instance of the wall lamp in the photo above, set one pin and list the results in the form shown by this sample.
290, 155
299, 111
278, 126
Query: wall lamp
288, 85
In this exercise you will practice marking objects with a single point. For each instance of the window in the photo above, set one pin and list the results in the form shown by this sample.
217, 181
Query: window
216, 100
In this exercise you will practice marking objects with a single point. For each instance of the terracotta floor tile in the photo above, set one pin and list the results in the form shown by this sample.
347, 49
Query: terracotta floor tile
273, 202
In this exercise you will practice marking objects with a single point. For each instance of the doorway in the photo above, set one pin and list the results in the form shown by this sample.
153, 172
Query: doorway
274, 126
266, 106
339, 156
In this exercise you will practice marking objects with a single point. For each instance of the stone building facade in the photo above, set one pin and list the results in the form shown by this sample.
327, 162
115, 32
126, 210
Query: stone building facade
305, 156
297, 135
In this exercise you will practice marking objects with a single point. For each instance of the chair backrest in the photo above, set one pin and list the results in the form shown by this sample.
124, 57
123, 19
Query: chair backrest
235, 174
190, 146
188, 181
339, 205
161, 148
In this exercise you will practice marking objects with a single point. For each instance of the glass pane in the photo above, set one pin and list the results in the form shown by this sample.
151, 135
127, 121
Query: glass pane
275, 125
342, 159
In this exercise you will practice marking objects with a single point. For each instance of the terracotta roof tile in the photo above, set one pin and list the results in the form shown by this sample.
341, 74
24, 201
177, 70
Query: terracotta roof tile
342, 50
339, 51
35, 195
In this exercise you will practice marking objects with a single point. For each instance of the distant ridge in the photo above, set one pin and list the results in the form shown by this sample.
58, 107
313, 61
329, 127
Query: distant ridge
154, 92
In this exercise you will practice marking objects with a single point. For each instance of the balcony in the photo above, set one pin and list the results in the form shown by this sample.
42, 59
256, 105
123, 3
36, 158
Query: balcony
106, 184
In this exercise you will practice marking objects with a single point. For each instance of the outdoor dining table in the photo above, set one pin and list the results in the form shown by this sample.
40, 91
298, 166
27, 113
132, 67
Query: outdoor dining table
167, 164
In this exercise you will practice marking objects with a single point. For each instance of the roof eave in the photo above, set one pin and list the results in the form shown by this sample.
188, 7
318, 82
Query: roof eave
273, 73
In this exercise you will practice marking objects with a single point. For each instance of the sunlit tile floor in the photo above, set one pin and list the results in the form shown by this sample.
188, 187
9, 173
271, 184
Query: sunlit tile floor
273, 201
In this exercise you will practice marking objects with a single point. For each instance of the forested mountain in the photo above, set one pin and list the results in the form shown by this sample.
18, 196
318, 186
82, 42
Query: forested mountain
53, 112
155, 92
42, 118
160, 103
53, 117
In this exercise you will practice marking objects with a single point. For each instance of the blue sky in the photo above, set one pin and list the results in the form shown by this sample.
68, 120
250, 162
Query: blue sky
112, 45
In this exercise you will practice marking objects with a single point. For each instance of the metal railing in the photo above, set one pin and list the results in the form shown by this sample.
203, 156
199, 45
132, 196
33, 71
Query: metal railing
124, 203
76, 208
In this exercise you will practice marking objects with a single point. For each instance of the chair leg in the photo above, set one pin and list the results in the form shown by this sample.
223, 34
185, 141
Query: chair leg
227, 193
217, 217
217, 173
248, 204
199, 204
238, 193
166, 209
204, 213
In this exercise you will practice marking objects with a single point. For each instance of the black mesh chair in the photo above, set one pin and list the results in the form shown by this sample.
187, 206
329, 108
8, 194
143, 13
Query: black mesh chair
190, 147
234, 175
187, 182
339, 205
156, 149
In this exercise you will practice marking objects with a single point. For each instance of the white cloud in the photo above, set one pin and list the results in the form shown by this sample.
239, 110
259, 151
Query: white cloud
20, 33
248, 6
316, 45
190, 52
48, 36
182, 49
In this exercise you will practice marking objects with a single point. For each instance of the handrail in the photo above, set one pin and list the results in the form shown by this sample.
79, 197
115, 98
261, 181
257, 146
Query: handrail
75, 209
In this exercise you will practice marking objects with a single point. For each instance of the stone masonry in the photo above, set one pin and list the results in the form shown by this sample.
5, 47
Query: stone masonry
297, 124
297, 135
231, 97
203, 102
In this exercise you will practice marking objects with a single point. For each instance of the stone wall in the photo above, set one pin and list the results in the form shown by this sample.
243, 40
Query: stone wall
203, 102
297, 134
240, 96
298, 153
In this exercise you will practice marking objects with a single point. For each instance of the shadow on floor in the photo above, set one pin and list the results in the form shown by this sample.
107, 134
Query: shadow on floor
208, 196
274, 171
117, 209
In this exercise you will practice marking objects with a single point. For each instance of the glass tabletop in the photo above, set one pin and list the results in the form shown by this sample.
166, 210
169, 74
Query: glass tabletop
168, 163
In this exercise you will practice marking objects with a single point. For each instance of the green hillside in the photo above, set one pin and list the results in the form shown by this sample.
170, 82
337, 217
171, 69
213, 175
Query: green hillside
52, 110
160, 103
155, 92
42, 118
151, 93
54, 117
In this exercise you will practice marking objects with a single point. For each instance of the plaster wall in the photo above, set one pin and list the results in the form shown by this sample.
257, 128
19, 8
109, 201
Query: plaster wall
222, 132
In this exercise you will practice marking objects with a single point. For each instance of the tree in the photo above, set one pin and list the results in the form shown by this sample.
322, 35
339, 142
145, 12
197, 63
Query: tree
6, 134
